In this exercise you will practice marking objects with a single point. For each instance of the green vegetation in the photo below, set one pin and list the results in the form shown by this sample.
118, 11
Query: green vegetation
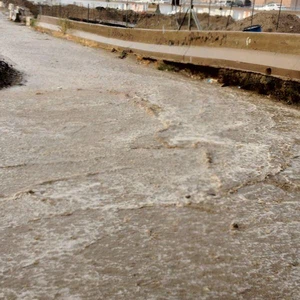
64, 25
33, 22
167, 67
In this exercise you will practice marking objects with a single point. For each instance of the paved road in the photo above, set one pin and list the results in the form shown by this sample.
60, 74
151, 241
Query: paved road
118, 181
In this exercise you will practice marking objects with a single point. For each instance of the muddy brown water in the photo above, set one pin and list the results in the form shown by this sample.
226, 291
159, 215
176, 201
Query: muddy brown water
119, 181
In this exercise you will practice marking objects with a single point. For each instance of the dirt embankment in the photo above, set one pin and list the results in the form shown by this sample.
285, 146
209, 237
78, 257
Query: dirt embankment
286, 91
91, 14
8, 75
173, 22
288, 23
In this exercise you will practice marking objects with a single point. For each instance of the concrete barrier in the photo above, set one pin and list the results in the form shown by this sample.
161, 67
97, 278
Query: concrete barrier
11, 6
28, 21
273, 54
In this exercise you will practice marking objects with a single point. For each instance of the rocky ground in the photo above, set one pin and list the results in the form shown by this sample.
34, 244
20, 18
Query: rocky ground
119, 181
8, 75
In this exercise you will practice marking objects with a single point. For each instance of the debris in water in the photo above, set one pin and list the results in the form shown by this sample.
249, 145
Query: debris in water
234, 226
123, 54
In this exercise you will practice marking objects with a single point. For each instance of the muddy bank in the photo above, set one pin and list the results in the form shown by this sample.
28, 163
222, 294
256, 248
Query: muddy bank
282, 90
8, 75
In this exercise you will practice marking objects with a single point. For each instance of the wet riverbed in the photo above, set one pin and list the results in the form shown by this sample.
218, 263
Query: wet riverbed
118, 181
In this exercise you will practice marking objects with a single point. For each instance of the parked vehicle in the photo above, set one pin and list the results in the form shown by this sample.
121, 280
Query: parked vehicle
271, 6
239, 3
247, 3
236, 3
222, 3
229, 3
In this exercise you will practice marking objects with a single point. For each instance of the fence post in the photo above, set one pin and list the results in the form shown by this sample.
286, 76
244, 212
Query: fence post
253, 4
229, 14
278, 15
209, 5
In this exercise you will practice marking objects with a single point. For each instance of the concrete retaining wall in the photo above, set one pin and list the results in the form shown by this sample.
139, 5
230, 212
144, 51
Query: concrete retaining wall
273, 54
273, 42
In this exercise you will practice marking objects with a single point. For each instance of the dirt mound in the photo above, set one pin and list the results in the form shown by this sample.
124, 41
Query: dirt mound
78, 12
288, 23
152, 21
8, 75
208, 22
98, 14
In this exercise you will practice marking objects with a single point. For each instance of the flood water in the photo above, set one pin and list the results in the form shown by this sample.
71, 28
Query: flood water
119, 181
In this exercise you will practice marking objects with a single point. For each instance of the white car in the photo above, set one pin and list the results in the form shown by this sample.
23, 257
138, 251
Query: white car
271, 6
